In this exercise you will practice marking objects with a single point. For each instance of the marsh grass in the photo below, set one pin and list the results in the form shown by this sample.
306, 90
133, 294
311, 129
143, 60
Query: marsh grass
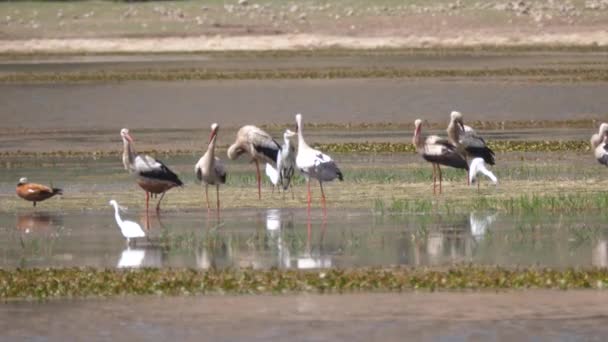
43, 284
520, 74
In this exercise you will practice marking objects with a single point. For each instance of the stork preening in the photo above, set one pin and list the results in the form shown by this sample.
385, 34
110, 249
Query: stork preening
467, 141
151, 175
437, 151
314, 164
478, 166
210, 169
35, 192
260, 146
599, 144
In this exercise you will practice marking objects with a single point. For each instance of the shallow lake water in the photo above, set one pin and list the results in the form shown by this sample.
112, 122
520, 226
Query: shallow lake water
290, 239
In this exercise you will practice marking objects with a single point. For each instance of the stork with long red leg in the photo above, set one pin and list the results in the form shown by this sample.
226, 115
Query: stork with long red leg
437, 151
151, 174
314, 164
210, 169
260, 146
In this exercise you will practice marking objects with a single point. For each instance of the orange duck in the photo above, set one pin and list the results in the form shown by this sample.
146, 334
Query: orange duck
35, 192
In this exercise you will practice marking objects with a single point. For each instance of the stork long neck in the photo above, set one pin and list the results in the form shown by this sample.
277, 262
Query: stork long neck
128, 154
301, 142
287, 143
453, 132
211, 148
417, 140
596, 139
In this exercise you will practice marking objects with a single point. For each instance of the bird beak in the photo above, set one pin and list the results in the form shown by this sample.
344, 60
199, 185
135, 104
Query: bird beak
461, 125
417, 131
128, 137
212, 135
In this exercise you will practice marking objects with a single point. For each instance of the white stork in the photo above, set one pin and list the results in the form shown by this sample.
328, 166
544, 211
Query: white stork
151, 174
210, 169
259, 145
467, 141
315, 164
438, 151
599, 144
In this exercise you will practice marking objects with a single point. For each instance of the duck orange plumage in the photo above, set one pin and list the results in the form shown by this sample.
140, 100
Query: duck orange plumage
35, 192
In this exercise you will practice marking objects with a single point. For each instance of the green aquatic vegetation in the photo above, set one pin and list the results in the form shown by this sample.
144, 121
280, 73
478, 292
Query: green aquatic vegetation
51, 283
546, 74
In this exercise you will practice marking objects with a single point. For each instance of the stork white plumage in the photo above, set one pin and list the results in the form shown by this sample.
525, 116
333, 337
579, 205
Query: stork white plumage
209, 169
599, 144
259, 145
478, 166
129, 229
438, 151
314, 164
151, 175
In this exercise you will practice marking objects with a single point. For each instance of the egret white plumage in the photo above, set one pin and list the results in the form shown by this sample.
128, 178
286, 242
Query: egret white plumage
260, 146
151, 174
209, 169
599, 144
437, 151
478, 166
314, 164
129, 229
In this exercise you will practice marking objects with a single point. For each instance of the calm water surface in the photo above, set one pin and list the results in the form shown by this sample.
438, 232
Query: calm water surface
288, 238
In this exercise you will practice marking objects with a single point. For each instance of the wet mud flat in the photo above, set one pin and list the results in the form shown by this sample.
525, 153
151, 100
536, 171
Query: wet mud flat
512, 315
182, 105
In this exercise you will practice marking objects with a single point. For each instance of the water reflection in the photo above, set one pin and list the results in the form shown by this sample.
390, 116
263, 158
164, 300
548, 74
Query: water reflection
149, 256
38, 222
289, 239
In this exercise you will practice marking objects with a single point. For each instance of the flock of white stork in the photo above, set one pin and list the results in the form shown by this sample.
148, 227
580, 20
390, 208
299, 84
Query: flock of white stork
461, 145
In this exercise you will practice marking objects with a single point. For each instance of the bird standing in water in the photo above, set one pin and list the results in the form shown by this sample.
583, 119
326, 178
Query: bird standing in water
210, 169
35, 192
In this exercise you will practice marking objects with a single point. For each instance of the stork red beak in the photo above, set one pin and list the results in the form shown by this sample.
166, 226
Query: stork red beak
417, 131
212, 135
296, 130
128, 137
461, 125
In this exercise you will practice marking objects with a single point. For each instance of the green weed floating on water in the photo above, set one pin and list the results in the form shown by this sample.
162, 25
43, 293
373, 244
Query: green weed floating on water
86, 282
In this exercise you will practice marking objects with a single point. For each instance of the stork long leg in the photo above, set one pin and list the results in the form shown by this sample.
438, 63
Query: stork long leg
207, 196
434, 177
147, 200
440, 177
217, 193
478, 181
259, 178
308, 196
323, 199
158, 204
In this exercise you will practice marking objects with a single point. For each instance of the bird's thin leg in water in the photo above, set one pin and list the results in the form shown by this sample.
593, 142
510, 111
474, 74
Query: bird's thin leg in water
323, 199
147, 200
158, 204
440, 177
259, 178
308, 196
478, 181
207, 196
434, 178
217, 193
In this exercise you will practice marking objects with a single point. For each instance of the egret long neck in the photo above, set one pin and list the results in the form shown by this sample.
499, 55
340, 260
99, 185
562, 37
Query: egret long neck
117, 216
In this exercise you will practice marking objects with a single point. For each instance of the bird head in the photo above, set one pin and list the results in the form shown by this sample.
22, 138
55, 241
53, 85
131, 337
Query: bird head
288, 134
214, 129
124, 133
113, 202
603, 128
457, 118
22, 180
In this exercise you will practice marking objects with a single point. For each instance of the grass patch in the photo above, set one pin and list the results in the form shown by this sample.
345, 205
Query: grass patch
529, 74
44, 284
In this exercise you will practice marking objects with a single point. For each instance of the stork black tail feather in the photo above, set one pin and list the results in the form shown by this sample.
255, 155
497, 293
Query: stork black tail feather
482, 152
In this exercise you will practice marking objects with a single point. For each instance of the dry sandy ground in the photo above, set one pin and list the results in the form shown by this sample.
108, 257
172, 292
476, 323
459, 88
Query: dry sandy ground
546, 315
269, 25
